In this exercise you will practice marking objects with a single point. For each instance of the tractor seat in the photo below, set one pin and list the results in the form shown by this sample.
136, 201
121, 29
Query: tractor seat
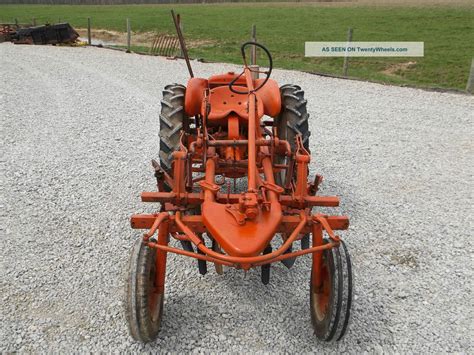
223, 101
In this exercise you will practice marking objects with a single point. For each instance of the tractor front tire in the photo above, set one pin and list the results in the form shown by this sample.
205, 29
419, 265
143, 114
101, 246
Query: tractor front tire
172, 120
330, 303
144, 306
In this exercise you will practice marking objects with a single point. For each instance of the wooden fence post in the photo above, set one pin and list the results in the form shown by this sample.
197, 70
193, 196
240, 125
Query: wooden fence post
253, 38
470, 80
253, 54
89, 34
345, 66
129, 35
34, 21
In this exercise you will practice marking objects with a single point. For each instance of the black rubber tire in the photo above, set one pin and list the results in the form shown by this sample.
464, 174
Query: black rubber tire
141, 272
172, 120
333, 325
292, 120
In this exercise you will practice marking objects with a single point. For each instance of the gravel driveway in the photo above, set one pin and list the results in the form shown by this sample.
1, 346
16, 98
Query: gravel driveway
78, 129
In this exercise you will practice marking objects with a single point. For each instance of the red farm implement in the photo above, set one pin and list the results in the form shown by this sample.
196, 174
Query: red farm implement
214, 132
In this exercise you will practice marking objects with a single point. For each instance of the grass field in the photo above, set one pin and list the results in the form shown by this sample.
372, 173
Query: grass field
448, 33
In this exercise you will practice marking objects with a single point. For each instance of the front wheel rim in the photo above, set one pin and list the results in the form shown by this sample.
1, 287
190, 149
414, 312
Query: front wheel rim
154, 298
322, 295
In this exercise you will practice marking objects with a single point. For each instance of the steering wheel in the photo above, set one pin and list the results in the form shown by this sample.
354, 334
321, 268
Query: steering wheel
267, 72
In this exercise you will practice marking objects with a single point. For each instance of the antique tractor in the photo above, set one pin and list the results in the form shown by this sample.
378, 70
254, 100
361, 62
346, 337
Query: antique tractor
233, 183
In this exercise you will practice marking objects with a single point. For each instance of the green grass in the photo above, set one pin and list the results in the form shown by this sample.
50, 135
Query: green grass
448, 33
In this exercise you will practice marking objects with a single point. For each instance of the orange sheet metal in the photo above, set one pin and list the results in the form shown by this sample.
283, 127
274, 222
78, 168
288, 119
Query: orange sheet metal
247, 260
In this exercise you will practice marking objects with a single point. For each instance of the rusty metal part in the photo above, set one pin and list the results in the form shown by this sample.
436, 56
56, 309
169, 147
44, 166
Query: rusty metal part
161, 176
48, 34
314, 186
165, 45
184, 50
6, 32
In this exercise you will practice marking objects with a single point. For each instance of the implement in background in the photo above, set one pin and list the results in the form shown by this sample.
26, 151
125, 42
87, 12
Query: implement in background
165, 45
61, 33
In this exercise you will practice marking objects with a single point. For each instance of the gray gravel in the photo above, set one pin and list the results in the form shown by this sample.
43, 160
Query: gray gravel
78, 129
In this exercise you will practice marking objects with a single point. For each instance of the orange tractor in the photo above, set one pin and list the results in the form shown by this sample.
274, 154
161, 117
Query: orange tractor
233, 184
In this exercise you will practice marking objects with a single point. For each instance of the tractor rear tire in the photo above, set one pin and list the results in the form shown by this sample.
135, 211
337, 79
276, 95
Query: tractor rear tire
330, 304
144, 307
172, 120
292, 120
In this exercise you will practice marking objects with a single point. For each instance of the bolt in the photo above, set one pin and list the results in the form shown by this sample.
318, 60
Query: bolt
251, 213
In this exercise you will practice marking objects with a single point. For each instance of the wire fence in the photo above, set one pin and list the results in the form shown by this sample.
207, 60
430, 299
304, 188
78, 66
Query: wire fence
123, 2
152, 42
